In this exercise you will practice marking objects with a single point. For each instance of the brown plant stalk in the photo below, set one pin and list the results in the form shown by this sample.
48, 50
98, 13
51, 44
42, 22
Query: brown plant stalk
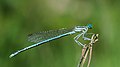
88, 50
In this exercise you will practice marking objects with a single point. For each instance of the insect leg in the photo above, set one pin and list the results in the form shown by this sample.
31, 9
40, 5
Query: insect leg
76, 39
84, 33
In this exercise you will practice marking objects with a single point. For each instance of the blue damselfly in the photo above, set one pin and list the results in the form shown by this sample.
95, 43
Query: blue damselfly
46, 36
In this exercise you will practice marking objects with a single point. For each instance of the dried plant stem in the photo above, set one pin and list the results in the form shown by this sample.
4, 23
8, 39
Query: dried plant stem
89, 60
88, 50
85, 52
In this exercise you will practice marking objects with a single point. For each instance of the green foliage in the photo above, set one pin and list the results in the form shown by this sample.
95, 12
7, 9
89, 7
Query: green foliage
20, 18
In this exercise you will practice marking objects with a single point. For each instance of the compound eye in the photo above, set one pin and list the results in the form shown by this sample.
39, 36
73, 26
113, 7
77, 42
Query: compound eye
89, 26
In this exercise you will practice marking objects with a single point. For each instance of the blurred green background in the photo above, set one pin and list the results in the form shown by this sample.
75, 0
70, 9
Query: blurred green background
18, 18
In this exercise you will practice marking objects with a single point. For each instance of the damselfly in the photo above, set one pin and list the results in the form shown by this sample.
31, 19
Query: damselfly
46, 36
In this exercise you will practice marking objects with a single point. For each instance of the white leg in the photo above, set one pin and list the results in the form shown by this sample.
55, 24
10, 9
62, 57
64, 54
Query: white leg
85, 32
76, 40
85, 38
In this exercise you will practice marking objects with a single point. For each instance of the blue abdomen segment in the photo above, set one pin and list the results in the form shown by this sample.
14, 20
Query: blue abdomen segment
41, 42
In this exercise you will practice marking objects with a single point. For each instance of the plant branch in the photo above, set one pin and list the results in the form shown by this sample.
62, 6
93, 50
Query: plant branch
88, 49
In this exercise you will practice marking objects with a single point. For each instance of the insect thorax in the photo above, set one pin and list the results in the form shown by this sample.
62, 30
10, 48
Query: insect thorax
80, 28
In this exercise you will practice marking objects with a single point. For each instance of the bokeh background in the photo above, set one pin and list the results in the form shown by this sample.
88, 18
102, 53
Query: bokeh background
18, 18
